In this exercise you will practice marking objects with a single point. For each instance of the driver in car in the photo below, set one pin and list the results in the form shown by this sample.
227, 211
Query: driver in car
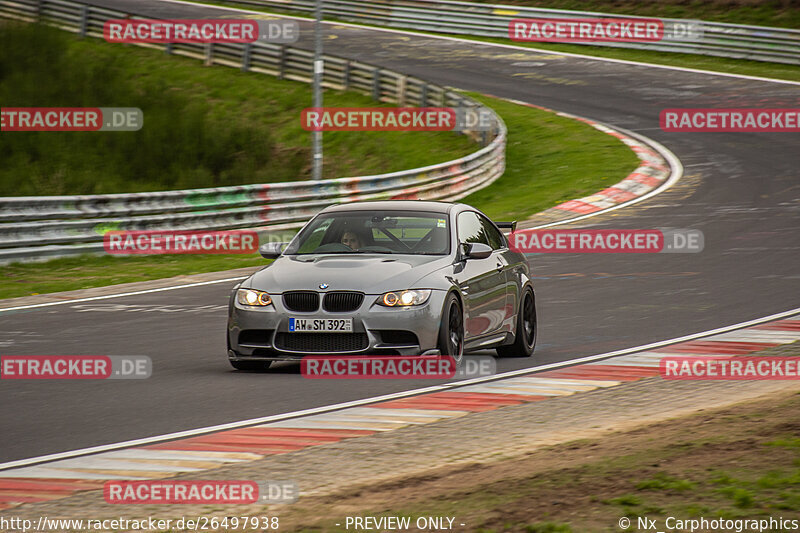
351, 239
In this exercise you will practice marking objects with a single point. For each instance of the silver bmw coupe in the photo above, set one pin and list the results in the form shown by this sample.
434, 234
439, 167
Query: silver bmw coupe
404, 277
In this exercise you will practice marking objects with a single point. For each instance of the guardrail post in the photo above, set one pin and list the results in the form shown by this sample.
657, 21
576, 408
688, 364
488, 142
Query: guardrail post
84, 20
168, 48
282, 62
246, 57
209, 54
401, 90
39, 10
423, 95
376, 84
346, 75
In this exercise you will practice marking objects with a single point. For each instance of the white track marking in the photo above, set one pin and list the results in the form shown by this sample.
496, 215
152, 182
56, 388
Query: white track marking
318, 423
179, 455
624, 361
412, 414
764, 335
498, 45
499, 389
121, 294
39, 472
285, 419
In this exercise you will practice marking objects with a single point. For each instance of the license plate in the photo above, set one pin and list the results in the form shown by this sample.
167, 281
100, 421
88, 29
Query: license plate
342, 325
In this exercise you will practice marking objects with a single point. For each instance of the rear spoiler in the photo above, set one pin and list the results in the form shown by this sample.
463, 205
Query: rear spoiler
507, 225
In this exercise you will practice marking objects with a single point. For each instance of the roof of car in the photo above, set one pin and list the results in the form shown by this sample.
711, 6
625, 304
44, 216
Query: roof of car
393, 205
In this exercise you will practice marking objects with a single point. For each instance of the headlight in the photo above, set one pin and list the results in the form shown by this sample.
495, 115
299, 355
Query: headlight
253, 297
405, 298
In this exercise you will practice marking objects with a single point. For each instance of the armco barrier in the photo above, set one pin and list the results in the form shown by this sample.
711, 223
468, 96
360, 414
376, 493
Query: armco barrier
759, 43
42, 227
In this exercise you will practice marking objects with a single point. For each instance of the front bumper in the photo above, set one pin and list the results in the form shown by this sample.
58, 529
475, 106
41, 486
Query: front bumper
263, 333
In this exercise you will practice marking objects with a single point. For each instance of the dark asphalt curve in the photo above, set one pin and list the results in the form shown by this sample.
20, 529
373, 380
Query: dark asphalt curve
741, 189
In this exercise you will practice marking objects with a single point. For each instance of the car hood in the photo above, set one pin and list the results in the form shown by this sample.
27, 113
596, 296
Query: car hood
366, 273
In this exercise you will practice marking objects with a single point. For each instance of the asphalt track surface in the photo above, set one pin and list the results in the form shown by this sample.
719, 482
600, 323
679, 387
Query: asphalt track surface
741, 189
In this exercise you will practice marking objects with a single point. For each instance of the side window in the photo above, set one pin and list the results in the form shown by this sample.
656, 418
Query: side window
496, 239
470, 228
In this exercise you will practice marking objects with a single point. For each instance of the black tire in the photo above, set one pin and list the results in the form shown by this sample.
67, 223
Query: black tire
525, 338
250, 365
451, 331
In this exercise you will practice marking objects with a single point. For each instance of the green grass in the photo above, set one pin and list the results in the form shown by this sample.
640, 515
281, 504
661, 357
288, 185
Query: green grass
203, 126
763, 14
549, 160
665, 482
81, 272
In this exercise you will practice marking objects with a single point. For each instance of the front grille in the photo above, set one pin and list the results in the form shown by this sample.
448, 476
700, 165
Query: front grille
303, 301
321, 342
342, 302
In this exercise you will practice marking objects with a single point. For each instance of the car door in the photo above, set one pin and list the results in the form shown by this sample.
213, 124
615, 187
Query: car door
482, 283
502, 310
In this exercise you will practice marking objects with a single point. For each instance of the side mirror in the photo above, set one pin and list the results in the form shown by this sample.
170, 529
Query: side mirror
478, 250
271, 250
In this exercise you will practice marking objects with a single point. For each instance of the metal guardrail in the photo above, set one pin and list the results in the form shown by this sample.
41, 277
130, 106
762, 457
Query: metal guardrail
759, 43
42, 227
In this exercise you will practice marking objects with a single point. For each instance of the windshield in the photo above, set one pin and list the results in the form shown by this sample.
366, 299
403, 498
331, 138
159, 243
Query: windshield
377, 232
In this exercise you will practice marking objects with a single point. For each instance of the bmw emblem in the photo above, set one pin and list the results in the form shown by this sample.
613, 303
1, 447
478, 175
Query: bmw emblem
323, 285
